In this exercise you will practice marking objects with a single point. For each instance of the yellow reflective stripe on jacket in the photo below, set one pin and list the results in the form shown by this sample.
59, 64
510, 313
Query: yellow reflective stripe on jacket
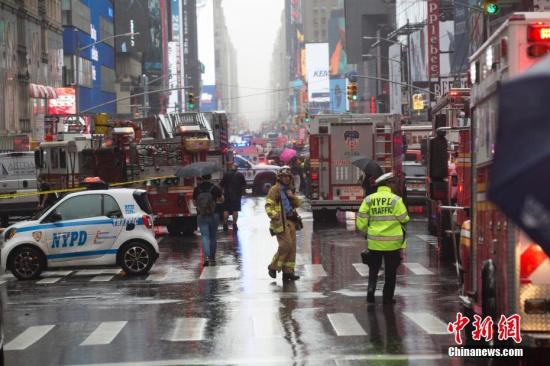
385, 238
362, 217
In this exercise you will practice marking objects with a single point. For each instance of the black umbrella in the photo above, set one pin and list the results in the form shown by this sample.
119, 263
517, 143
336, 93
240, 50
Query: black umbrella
197, 169
521, 165
368, 166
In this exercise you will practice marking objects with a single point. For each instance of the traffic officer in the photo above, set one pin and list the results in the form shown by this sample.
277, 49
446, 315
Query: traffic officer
280, 205
381, 217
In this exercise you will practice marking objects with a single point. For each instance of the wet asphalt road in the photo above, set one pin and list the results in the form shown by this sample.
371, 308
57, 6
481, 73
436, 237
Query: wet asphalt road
182, 313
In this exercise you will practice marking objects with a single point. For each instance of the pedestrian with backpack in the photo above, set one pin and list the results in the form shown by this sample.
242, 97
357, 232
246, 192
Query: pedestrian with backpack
205, 198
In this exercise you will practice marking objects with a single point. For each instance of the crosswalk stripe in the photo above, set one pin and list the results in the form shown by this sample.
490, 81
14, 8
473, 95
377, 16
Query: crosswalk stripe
188, 329
267, 326
56, 273
113, 271
89, 272
219, 272
345, 324
30, 336
362, 269
102, 278
156, 277
428, 322
104, 333
315, 270
49, 280
418, 269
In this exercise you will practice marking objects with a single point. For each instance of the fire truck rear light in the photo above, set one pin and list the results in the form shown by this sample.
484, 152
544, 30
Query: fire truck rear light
314, 176
537, 50
538, 33
147, 221
537, 306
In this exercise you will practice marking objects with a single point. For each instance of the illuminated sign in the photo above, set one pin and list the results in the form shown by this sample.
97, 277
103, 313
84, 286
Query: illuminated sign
433, 38
64, 103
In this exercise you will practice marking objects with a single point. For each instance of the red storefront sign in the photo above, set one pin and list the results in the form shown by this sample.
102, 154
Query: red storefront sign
433, 38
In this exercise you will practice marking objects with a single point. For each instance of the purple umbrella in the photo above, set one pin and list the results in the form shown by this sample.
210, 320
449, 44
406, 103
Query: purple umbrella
287, 154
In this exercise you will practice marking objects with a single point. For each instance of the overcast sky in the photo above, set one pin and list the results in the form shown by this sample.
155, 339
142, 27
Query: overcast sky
253, 25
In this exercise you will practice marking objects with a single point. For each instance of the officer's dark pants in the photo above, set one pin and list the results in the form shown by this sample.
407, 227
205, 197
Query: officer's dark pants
392, 259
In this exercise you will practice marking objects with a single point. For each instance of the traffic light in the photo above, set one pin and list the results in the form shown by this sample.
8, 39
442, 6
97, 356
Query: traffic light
490, 7
352, 91
190, 101
306, 118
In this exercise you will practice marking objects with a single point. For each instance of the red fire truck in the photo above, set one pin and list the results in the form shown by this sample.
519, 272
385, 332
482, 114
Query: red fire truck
150, 162
448, 161
335, 184
504, 272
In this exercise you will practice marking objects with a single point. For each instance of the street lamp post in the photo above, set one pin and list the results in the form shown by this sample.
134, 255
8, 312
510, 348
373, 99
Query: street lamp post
77, 66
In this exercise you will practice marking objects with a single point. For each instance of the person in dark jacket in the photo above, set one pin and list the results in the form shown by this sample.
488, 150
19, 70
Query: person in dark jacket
234, 186
207, 218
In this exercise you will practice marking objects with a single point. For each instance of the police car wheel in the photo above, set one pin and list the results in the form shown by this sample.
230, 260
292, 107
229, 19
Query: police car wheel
136, 258
26, 262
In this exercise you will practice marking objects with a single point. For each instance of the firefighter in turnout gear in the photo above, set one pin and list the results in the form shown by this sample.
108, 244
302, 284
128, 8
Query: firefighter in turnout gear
281, 204
381, 217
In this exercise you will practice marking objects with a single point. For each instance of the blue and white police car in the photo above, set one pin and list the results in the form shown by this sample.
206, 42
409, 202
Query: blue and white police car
89, 228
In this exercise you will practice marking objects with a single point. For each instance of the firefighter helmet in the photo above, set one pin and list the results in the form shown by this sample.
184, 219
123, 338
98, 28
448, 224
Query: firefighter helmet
285, 170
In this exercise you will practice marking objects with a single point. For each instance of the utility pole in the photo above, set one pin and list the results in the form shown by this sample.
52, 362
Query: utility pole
145, 108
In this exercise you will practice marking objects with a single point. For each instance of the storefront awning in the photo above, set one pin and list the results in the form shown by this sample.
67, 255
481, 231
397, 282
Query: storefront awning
42, 91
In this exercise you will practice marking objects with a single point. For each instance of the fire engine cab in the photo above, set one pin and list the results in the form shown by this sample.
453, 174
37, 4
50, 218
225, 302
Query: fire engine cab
504, 272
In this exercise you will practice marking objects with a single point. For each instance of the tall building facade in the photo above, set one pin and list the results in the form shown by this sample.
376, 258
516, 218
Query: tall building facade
86, 22
316, 15
31, 60
225, 57
278, 105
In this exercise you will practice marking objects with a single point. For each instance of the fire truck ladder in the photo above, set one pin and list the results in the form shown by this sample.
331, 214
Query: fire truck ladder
383, 149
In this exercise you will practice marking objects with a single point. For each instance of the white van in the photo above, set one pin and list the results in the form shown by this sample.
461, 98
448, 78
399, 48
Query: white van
17, 175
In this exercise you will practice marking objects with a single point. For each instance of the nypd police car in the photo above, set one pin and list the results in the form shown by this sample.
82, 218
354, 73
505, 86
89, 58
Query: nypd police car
89, 228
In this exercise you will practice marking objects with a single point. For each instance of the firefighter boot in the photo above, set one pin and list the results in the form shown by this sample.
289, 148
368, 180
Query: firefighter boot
290, 277
272, 272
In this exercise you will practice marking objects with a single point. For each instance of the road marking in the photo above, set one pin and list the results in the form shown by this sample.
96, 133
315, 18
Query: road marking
188, 329
345, 324
418, 269
102, 278
430, 323
156, 277
429, 239
362, 269
56, 273
113, 271
267, 326
89, 272
218, 272
315, 270
104, 333
30, 336
49, 280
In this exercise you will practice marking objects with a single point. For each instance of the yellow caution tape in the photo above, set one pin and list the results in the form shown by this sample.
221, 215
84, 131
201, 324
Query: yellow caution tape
68, 190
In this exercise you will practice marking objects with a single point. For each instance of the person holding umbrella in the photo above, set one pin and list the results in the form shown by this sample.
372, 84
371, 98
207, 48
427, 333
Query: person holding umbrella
371, 171
281, 204
234, 186
381, 218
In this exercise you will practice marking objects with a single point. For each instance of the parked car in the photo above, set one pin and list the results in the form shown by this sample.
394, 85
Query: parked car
415, 183
89, 228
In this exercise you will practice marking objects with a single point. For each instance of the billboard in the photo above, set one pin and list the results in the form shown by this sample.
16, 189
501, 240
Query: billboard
433, 38
130, 18
205, 29
338, 97
317, 66
64, 103
208, 101
337, 43
460, 44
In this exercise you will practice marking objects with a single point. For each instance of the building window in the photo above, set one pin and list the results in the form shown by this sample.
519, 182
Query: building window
106, 30
107, 79
324, 34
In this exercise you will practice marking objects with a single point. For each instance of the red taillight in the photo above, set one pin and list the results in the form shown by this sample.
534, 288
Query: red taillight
530, 260
537, 50
538, 33
314, 176
147, 221
460, 188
